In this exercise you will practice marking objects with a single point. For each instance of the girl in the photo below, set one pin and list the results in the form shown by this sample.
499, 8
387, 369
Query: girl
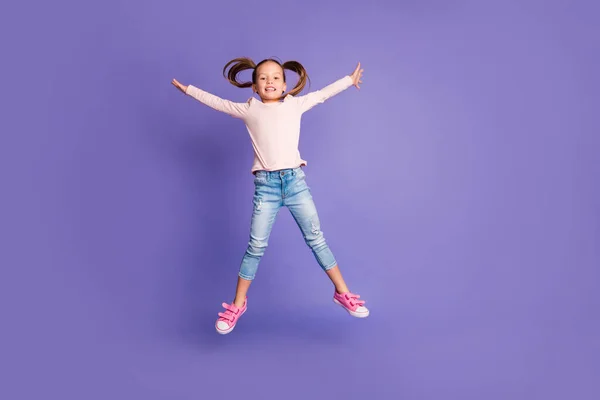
274, 127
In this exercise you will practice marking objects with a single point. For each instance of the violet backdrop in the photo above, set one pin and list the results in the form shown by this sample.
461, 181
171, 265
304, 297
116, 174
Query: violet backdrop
458, 190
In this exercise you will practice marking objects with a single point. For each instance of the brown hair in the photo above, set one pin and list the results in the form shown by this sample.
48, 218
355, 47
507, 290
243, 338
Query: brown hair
243, 63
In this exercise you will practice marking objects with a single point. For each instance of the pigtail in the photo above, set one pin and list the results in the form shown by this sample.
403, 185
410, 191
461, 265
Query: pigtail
297, 68
239, 65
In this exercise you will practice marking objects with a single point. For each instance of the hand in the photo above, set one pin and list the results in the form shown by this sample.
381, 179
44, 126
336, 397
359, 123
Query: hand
179, 85
356, 76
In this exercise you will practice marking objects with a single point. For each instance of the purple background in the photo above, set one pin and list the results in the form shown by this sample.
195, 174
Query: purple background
458, 189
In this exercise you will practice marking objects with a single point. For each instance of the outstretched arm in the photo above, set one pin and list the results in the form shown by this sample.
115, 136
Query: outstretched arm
310, 100
237, 110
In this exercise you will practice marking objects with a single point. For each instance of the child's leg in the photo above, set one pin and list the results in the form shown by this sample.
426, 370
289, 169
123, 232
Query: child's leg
336, 278
303, 209
267, 203
301, 205
241, 291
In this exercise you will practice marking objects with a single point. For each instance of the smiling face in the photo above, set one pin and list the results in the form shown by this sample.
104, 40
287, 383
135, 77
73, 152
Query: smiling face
269, 82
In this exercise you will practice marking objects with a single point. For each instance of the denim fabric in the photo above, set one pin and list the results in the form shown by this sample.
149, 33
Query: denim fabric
273, 190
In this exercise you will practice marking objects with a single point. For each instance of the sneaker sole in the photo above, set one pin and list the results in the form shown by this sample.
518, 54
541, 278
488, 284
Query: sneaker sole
226, 331
353, 313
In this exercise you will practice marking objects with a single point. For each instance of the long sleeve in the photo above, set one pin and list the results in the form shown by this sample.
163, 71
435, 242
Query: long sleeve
310, 100
236, 110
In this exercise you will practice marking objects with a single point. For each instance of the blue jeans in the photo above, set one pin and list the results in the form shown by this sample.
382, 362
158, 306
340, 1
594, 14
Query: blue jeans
274, 189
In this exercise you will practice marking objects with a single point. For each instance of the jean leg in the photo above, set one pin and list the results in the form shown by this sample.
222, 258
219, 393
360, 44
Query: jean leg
266, 207
302, 207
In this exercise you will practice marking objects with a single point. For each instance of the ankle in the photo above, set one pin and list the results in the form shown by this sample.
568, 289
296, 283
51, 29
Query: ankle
239, 303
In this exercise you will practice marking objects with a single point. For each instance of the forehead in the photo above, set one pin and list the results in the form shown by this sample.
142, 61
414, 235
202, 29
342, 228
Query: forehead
269, 68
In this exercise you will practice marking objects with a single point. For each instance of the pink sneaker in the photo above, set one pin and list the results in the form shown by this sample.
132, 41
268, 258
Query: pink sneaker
228, 319
351, 304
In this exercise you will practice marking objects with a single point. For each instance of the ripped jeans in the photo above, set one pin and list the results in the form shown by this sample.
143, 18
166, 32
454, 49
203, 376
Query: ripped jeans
274, 189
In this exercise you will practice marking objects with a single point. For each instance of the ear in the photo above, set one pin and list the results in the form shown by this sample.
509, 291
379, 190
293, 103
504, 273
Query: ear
253, 88
284, 87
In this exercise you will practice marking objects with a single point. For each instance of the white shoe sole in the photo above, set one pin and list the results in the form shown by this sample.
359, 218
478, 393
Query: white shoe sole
226, 331
353, 313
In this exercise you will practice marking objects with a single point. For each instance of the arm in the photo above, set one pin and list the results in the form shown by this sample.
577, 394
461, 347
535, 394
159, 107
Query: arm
310, 100
236, 110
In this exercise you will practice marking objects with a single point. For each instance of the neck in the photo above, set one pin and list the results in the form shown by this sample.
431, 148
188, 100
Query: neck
270, 101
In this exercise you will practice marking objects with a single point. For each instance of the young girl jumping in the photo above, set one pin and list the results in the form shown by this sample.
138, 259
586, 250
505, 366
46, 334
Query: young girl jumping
279, 180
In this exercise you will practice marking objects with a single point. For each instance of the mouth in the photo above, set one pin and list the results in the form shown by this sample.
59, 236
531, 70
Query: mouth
269, 89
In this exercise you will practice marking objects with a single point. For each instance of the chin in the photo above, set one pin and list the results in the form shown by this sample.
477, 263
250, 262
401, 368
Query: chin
270, 96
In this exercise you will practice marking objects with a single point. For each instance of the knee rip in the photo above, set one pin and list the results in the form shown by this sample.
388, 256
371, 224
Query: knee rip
315, 229
258, 205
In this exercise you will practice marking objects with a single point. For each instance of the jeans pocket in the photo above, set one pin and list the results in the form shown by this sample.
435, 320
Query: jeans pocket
260, 178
